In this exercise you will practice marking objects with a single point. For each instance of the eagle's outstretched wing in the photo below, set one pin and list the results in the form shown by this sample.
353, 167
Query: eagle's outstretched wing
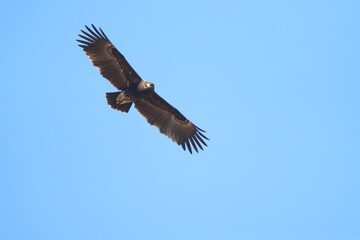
170, 122
111, 63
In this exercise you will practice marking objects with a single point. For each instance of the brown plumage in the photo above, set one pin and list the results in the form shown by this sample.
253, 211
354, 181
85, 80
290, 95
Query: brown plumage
133, 89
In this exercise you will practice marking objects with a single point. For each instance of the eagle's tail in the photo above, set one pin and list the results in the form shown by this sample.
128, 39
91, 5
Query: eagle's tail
113, 102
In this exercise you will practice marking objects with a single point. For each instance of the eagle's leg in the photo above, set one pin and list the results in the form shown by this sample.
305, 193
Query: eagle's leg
123, 98
119, 101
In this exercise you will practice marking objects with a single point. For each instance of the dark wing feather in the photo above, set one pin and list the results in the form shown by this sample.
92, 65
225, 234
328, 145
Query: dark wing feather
111, 63
171, 122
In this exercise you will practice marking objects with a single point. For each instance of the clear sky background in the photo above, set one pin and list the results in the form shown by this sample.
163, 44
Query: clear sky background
276, 85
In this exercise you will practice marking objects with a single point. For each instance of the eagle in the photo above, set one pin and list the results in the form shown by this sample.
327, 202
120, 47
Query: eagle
133, 89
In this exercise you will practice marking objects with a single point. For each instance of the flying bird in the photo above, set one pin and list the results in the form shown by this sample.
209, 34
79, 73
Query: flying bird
133, 89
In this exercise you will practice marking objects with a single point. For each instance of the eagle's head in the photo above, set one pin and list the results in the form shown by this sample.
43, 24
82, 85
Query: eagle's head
146, 86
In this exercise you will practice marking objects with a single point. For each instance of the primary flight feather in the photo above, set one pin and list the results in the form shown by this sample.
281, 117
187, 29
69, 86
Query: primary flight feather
133, 89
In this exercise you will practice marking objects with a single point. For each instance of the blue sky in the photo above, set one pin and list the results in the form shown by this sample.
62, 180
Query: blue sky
274, 83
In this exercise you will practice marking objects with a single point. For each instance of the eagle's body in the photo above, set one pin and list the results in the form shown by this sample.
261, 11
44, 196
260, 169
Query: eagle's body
130, 94
133, 89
